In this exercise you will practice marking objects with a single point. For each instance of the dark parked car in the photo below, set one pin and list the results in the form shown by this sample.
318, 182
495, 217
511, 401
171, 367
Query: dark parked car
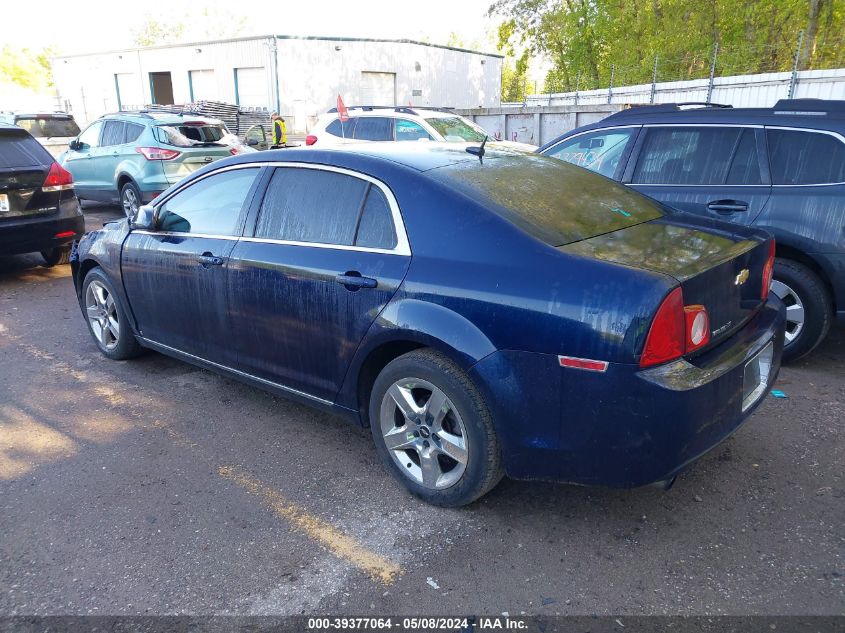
38, 208
515, 315
781, 169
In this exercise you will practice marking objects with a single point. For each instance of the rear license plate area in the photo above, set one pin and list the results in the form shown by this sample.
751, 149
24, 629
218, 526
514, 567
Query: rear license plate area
755, 379
4, 203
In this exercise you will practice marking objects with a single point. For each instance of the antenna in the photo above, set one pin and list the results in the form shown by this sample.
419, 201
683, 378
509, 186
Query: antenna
478, 151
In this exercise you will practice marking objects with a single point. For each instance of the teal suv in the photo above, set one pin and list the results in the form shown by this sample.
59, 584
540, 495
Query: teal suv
131, 157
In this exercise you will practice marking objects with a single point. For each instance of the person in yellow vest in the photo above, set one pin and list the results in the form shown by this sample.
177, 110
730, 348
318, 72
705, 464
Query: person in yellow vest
280, 135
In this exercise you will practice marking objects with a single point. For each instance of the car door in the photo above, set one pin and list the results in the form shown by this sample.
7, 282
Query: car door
328, 252
79, 161
713, 171
175, 275
603, 151
107, 157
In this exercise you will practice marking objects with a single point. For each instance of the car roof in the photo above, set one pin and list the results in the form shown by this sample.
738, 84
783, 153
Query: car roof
42, 115
161, 118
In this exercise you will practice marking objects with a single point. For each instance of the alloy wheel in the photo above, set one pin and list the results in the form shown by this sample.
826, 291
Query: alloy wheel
794, 309
129, 200
101, 311
424, 433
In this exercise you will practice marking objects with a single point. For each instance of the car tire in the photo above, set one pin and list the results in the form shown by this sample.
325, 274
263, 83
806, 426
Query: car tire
423, 445
809, 309
106, 317
56, 256
130, 199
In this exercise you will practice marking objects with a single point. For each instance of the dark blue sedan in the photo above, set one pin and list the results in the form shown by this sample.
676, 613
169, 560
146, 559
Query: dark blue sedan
513, 315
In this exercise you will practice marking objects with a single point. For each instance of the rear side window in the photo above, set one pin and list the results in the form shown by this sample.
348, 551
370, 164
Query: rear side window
113, 133
374, 128
745, 166
210, 206
342, 130
311, 205
686, 156
21, 150
597, 151
131, 132
805, 158
375, 229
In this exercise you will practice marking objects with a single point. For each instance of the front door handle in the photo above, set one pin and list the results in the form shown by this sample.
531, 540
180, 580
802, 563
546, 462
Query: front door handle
208, 259
353, 280
728, 206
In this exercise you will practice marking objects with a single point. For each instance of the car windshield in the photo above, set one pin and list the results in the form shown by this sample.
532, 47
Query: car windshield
45, 127
554, 201
456, 129
191, 135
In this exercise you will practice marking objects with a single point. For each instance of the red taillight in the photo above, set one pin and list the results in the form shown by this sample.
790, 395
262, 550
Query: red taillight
666, 338
768, 271
58, 179
310, 139
676, 330
157, 153
697, 327
64, 234
234, 151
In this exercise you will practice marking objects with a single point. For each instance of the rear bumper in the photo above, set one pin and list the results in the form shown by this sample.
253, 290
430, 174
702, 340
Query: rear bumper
38, 234
625, 427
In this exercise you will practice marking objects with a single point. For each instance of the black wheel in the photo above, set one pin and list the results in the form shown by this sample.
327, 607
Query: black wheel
433, 431
106, 317
58, 255
130, 199
809, 310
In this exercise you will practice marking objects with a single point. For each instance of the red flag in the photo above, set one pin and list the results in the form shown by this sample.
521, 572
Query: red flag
342, 112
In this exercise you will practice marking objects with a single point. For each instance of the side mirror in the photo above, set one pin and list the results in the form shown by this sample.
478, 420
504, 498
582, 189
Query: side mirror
75, 145
145, 218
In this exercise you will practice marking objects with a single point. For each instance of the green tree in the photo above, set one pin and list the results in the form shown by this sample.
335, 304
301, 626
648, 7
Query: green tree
27, 68
584, 39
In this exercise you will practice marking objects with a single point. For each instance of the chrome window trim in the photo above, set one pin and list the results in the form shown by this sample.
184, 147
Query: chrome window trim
403, 246
598, 129
240, 373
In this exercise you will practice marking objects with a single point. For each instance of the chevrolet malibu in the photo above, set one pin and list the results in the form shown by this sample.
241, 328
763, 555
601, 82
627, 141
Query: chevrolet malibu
483, 315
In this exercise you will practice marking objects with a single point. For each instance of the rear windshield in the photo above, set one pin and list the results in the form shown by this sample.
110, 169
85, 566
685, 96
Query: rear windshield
191, 135
45, 127
554, 201
456, 129
21, 150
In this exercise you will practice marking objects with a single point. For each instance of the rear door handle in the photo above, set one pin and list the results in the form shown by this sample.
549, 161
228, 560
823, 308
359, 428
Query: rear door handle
727, 206
208, 259
353, 280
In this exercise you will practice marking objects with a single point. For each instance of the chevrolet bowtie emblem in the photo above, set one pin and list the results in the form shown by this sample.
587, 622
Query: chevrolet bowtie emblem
741, 278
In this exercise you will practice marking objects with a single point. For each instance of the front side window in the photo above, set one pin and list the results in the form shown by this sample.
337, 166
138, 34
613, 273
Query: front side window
374, 128
90, 138
805, 158
113, 133
597, 151
686, 155
210, 206
410, 131
457, 129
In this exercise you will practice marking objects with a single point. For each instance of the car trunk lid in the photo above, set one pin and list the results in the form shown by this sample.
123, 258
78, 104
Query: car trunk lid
715, 267
24, 165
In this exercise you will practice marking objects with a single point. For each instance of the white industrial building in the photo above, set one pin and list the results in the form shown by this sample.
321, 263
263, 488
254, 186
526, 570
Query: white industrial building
298, 76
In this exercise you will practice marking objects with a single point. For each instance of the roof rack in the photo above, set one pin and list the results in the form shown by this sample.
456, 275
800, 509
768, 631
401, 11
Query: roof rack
668, 107
395, 108
816, 106
142, 113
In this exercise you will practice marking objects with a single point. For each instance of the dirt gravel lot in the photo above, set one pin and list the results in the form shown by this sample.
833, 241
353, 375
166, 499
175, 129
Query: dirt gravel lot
154, 487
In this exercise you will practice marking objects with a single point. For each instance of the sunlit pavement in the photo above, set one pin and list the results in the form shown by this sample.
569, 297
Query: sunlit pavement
153, 487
